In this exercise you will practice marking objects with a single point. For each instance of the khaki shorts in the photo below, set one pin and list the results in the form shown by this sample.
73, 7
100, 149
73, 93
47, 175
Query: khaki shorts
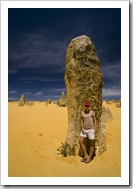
88, 133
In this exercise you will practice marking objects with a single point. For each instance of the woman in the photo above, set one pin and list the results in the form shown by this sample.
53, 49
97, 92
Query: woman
88, 122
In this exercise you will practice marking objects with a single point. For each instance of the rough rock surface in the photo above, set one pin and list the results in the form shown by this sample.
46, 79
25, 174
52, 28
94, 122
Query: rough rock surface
107, 115
62, 101
83, 79
22, 100
118, 104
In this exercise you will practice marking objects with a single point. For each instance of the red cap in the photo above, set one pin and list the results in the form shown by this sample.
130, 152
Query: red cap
87, 104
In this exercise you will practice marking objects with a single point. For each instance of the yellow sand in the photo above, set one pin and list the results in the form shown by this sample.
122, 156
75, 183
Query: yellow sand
35, 133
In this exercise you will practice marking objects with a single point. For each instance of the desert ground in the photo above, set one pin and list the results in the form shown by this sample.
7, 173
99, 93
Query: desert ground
36, 132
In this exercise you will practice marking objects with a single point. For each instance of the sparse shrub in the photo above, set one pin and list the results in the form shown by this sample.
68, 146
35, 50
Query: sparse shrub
66, 150
29, 103
20, 104
55, 101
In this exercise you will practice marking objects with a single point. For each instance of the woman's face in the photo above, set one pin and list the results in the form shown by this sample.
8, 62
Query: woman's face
87, 108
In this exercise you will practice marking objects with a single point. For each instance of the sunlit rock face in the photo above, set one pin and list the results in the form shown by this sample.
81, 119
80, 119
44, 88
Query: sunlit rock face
107, 115
83, 79
22, 101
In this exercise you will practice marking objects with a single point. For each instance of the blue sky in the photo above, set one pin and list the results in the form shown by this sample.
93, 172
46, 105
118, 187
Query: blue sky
37, 42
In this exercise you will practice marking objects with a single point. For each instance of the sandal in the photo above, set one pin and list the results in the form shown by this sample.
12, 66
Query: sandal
83, 159
87, 160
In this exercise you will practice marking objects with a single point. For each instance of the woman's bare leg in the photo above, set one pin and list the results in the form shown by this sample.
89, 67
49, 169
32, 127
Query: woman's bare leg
92, 148
81, 142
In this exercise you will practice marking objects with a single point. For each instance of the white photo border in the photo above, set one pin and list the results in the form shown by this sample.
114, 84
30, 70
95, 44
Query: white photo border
124, 179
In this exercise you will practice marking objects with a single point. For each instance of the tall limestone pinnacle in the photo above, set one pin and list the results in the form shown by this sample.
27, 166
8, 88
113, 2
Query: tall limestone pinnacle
83, 79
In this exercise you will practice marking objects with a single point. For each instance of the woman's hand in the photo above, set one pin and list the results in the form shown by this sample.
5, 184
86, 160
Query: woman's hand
96, 128
83, 131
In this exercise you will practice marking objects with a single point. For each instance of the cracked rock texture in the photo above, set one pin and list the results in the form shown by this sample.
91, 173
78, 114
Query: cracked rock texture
83, 79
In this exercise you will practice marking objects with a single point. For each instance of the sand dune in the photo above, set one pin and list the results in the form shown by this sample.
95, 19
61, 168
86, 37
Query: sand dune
35, 132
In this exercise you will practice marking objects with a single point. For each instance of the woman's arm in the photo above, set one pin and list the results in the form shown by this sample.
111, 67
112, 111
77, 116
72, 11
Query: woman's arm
82, 124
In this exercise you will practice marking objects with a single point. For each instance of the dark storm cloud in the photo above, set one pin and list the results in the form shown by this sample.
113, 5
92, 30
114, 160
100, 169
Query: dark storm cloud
112, 72
38, 39
36, 51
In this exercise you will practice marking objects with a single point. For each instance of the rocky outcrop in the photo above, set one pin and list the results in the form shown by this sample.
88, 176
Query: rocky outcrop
107, 115
48, 101
22, 101
100, 142
62, 101
83, 79
116, 102
109, 102
118, 105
